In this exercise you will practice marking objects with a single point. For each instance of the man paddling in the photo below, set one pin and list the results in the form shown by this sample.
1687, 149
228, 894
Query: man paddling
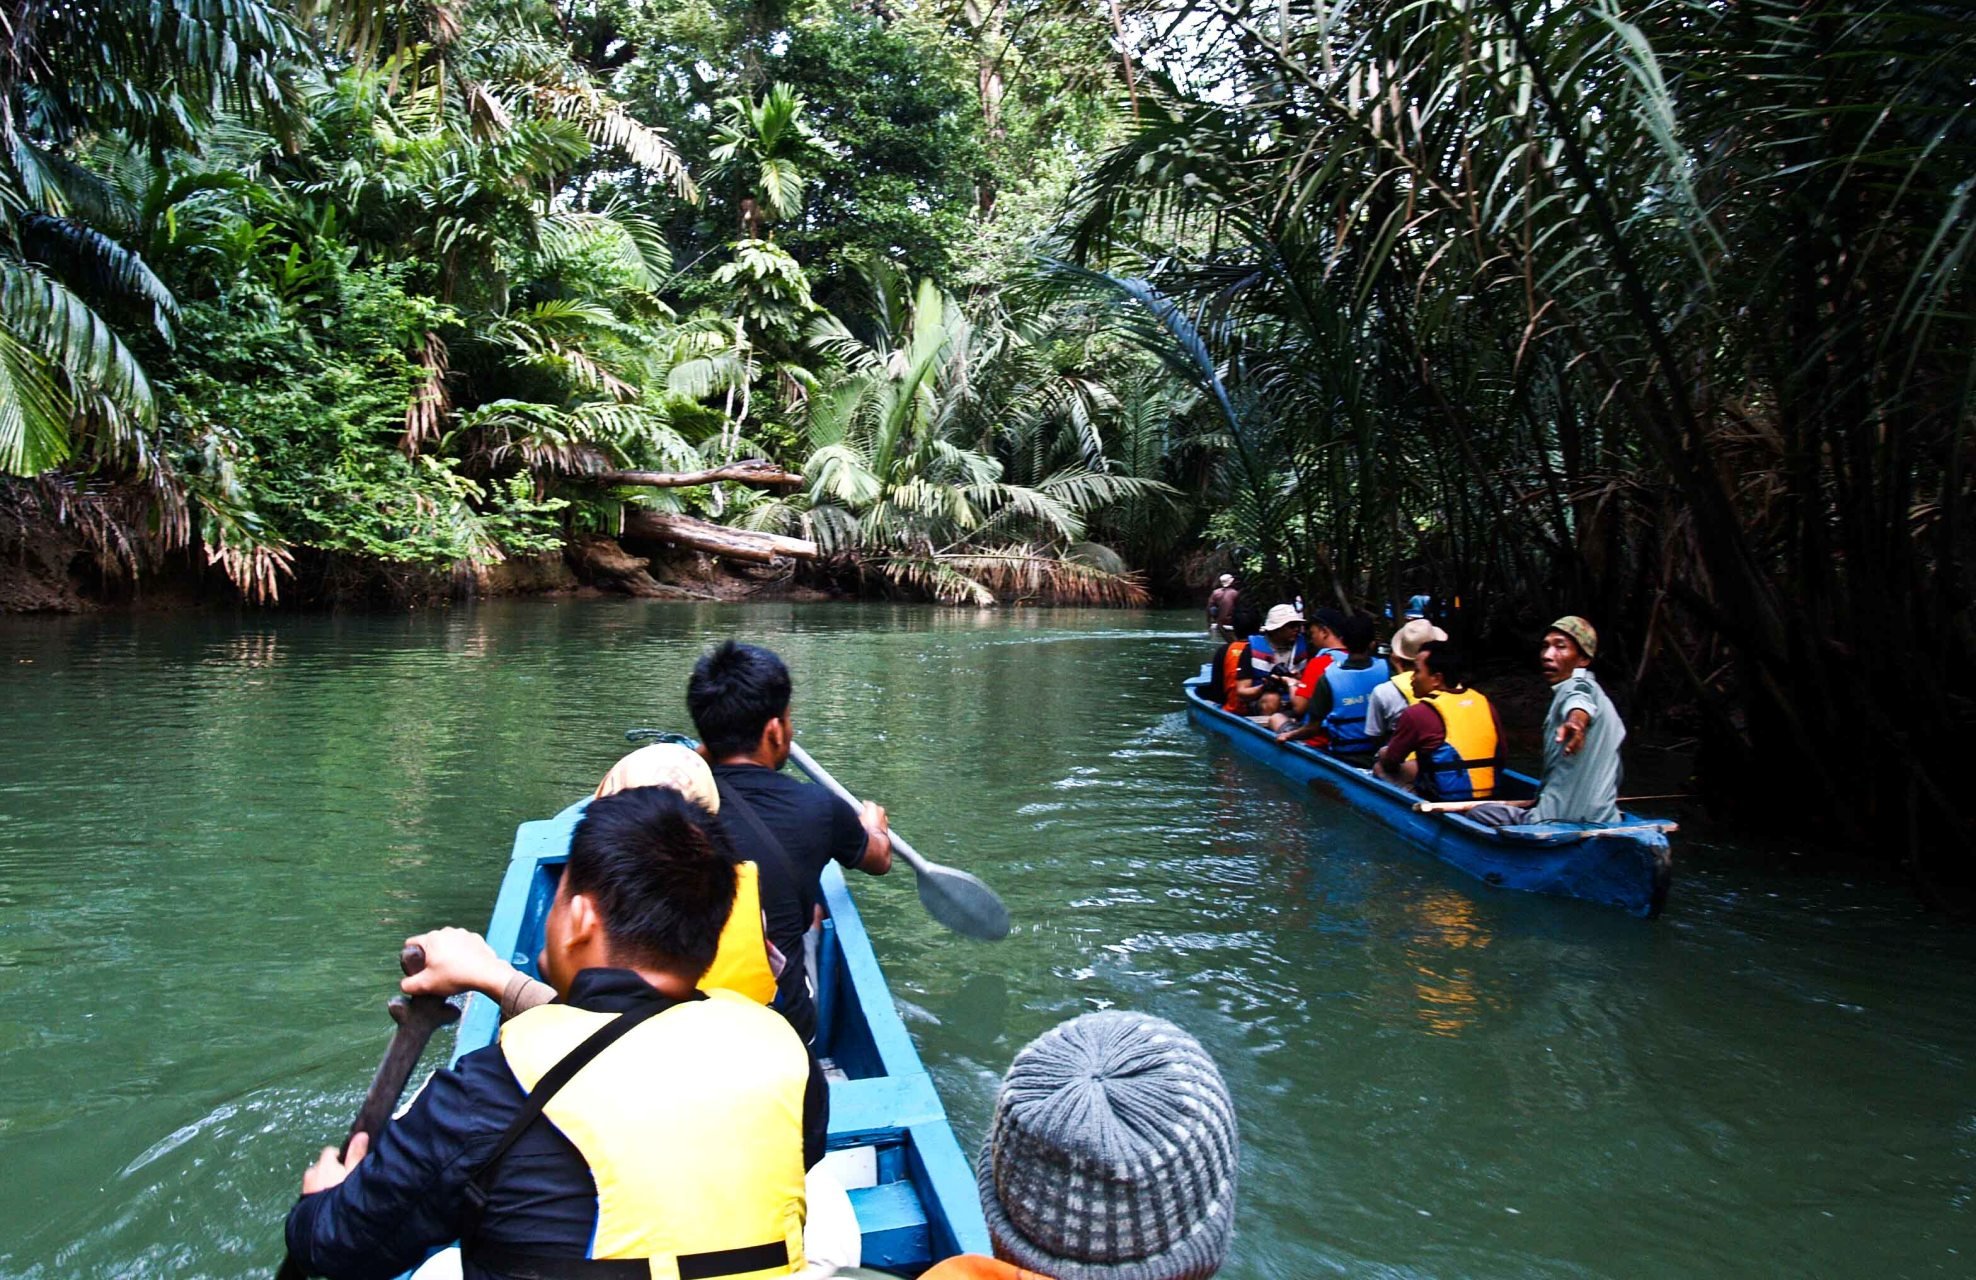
739, 700
1582, 733
637, 1120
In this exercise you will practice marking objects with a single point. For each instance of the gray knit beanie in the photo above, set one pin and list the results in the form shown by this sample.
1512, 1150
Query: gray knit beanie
1112, 1154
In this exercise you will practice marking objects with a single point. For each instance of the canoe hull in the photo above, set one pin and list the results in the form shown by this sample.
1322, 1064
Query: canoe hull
1631, 869
921, 1203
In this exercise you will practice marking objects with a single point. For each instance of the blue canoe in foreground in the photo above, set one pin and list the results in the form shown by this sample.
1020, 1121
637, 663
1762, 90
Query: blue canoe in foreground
1628, 865
911, 1188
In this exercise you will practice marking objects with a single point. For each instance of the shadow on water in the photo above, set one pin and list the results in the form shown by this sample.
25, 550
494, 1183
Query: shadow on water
214, 832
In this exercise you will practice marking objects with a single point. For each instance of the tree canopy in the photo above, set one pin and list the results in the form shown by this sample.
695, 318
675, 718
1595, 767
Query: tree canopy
1656, 310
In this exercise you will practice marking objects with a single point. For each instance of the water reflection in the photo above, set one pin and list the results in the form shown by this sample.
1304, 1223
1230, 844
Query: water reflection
1447, 925
213, 833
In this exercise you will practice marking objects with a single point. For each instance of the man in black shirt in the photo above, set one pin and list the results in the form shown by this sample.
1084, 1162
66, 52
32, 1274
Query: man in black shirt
739, 700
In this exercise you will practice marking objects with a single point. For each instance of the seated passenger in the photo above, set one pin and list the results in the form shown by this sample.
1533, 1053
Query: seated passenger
1281, 646
1267, 707
1383, 707
1112, 1154
1327, 648
1276, 651
1582, 733
681, 1144
459, 960
1452, 733
1334, 712
1225, 668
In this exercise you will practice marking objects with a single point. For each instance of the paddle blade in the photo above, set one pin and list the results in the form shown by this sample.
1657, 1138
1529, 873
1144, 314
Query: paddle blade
963, 904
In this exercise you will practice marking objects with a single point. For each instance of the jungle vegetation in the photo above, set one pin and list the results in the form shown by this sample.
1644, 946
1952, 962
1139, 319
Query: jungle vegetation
1654, 310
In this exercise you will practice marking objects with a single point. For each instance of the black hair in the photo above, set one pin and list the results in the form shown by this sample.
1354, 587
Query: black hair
1447, 661
1247, 620
661, 873
1327, 617
1357, 632
735, 690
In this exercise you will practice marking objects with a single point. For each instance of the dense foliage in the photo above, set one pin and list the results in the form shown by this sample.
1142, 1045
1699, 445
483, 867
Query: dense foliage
387, 285
1657, 310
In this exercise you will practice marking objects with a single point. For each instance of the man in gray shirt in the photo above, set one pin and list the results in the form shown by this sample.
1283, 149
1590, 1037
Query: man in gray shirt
1582, 733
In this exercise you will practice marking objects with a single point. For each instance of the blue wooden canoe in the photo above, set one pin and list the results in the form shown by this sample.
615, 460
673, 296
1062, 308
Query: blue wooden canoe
1627, 865
921, 1204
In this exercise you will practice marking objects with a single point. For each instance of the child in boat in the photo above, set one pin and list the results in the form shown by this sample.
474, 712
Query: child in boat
1112, 1153
1266, 708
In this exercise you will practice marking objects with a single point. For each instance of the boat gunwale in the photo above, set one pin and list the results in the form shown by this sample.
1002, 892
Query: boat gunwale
900, 1107
1447, 835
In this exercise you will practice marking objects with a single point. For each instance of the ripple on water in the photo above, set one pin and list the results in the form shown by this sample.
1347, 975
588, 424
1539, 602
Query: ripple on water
223, 828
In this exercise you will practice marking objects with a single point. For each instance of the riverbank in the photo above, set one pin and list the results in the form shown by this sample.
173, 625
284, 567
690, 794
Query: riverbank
62, 569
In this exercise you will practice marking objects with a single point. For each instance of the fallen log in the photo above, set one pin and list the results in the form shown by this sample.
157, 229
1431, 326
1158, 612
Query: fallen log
752, 472
736, 544
602, 562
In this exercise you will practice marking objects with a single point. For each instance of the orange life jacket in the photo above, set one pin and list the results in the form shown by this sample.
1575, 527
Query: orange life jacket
1231, 665
972, 1266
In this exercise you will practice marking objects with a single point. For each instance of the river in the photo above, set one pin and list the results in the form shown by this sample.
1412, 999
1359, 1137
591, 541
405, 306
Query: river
216, 829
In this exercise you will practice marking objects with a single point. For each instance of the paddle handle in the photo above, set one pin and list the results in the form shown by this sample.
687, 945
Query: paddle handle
417, 1018
821, 775
1463, 806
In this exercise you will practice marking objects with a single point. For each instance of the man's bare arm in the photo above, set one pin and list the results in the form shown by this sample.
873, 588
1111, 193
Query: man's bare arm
877, 858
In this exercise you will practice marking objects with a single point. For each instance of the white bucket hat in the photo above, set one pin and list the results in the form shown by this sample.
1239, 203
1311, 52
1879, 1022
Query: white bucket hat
1281, 615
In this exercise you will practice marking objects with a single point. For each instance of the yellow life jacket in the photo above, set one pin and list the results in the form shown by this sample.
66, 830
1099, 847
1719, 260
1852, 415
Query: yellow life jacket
741, 964
1471, 731
692, 1126
1404, 679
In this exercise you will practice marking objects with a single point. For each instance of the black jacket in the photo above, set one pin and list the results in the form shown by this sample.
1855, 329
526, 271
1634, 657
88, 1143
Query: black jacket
407, 1198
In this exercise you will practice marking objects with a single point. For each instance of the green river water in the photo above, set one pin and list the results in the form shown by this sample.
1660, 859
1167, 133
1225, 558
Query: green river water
215, 831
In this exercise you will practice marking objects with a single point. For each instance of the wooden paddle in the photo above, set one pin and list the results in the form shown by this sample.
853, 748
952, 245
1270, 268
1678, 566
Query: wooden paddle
953, 897
417, 1018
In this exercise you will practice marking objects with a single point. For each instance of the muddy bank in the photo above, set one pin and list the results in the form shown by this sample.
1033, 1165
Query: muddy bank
57, 569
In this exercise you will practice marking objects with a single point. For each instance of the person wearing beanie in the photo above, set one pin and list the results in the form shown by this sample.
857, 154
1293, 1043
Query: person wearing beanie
1112, 1156
1582, 735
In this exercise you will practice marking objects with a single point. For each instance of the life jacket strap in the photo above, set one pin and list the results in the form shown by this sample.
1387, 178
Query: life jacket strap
538, 1097
518, 1264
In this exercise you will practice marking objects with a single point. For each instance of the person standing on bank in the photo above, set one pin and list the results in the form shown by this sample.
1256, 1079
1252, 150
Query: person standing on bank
738, 697
1221, 608
636, 1123
1582, 735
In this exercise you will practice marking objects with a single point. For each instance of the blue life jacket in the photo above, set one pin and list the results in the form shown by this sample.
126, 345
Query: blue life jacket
1264, 656
1444, 775
1344, 724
